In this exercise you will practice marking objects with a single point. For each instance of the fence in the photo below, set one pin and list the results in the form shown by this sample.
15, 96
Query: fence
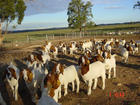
40, 38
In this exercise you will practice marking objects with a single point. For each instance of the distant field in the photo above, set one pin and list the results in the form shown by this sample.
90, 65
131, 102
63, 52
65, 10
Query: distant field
41, 35
117, 27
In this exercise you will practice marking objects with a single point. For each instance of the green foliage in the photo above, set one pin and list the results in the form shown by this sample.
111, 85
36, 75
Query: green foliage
79, 13
90, 24
11, 10
137, 5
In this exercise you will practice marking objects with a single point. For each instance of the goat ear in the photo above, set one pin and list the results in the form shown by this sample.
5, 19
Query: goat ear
88, 62
51, 92
30, 76
61, 68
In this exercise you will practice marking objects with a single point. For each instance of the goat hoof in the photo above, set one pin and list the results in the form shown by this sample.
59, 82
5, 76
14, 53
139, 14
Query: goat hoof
94, 88
89, 94
65, 94
59, 97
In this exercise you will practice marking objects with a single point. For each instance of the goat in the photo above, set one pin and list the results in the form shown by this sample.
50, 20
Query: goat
124, 53
53, 80
92, 71
12, 76
67, 75
33, 78
31, 60
47, 47
72, 48
110, 63
87, 45
64, 49
44, 58
46, 99
54, 50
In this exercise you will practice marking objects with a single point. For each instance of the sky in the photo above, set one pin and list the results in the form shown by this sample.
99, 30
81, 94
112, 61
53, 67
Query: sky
53, 13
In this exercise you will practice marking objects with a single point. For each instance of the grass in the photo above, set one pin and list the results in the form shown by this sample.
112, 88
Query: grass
22, 36
40, 35
117, 27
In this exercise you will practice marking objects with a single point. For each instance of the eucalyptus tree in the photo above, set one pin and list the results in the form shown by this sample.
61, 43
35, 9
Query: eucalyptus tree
79, 14
11, 10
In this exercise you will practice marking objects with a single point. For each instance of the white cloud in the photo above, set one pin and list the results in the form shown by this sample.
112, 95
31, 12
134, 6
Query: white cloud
105, 1
114, 7
46, 6
53, 6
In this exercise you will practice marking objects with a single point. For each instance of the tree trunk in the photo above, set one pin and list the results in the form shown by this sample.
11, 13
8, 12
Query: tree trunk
1, 37
80, 31
6, 28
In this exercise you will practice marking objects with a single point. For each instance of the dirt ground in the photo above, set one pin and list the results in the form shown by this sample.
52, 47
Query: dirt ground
123, 90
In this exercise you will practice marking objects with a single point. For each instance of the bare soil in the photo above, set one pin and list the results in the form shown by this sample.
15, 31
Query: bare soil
123, 90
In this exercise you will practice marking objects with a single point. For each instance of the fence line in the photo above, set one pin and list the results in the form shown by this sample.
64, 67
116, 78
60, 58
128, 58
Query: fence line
73, 35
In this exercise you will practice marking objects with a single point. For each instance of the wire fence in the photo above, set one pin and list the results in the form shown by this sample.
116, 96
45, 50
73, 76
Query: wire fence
40, 38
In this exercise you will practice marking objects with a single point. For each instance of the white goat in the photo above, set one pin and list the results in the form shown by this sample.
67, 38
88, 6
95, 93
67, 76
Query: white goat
108, 47
93, 71
55, 53
34, 78
30, 61
134, 48
111, 64
54, 50
46, 58
12, 76
64, 49
124, 53
47, 47
72, 48
122, 42
45, 99
68, 76
52, 82
87, 45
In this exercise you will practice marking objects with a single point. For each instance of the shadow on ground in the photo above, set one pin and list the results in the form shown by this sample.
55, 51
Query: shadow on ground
133, 66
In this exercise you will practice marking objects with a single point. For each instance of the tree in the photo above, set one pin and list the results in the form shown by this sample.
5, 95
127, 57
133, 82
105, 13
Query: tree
90, 24
10, 10
79, 14
137, 5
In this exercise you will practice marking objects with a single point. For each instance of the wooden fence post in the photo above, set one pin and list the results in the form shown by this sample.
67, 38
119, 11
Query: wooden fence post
28, 38
53, 36
46, 36
12, 43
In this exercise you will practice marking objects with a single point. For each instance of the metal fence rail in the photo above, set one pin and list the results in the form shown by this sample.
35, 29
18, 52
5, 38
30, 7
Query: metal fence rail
33, 38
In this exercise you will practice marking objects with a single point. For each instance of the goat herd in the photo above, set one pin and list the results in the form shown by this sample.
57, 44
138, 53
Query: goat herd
96, 60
